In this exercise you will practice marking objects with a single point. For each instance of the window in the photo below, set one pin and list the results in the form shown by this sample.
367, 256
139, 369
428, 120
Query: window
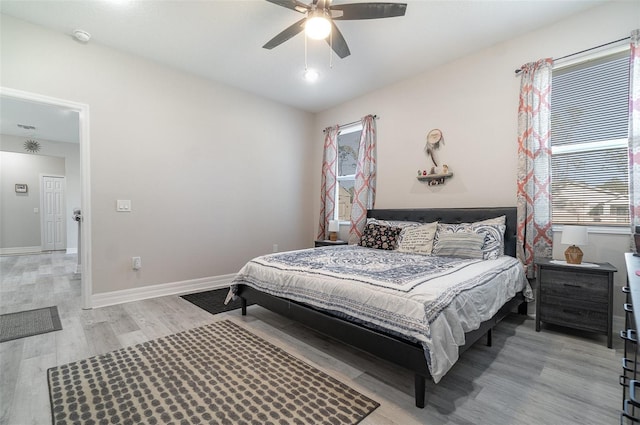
348, 145
589, 142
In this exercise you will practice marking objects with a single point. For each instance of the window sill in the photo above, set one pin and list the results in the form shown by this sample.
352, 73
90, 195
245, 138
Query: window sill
607, 230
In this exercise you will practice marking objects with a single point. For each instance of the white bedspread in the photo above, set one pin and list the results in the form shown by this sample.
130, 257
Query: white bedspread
430, 299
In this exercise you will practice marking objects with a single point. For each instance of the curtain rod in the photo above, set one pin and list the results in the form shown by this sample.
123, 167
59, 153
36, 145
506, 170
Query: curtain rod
375, 117
584, 51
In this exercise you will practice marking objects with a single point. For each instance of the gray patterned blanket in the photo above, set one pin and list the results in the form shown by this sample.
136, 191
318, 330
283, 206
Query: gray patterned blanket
429, 299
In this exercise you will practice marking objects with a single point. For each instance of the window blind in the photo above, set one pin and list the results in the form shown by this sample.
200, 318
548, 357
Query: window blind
589, 137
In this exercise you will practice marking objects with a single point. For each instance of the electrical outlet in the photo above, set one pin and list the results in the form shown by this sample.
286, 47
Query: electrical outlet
136, 263
275, 247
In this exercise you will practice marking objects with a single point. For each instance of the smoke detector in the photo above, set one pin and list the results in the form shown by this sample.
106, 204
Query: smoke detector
82, 36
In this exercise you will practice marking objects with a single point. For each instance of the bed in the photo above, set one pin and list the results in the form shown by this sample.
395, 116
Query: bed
395, 313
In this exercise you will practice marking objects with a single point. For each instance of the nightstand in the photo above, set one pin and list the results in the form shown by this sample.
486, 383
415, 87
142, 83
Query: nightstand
327, 242
576, 296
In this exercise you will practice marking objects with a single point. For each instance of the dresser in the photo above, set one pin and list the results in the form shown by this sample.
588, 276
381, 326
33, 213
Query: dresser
576, 296
630, 413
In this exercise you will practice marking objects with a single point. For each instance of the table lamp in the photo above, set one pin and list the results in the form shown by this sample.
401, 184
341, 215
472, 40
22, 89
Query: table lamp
334, 228
574, 235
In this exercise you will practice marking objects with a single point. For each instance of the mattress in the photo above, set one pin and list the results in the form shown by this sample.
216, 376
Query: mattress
428, 299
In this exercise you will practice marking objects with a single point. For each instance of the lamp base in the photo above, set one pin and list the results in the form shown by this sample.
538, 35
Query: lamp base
333, 236
573, 255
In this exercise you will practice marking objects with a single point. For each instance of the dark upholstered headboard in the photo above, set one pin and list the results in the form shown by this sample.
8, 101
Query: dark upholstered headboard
456, 215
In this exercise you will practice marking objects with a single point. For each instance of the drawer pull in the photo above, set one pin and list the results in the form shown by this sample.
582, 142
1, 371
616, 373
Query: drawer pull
626, 289
571, 285
628, 418
629, 335
628, 308
626, 364
627, 410
574, 312
633, 384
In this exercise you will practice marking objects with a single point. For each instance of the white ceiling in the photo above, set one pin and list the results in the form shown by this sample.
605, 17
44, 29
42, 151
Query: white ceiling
57, 124
222, 39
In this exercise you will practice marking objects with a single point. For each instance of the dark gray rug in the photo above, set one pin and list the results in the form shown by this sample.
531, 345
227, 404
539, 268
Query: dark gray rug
29, 323
215, 374
213, 301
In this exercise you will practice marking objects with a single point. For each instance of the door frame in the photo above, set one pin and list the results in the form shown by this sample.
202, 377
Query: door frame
64, 192
85, 178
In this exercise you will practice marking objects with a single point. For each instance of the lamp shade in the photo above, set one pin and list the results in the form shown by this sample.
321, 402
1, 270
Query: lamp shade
334, 226
574, 235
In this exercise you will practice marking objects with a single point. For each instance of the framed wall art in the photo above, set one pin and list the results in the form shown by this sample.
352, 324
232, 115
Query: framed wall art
21, 188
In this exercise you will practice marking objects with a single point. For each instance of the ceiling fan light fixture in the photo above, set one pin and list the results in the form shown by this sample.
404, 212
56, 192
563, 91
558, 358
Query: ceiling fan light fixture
317, 26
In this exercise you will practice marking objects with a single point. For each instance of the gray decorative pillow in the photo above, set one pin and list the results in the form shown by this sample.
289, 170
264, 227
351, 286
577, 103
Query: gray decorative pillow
493, 228
465, 245
379, 237
417, 239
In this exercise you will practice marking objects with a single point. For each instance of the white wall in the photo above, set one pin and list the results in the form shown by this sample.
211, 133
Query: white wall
71, 154
216, 176
19, 223
474, 101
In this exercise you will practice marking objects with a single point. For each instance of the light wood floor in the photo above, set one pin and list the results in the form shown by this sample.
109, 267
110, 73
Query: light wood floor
552, 377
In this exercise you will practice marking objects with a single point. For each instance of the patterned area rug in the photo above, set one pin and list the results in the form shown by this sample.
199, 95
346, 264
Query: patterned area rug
213, 301
28, 323
216, 374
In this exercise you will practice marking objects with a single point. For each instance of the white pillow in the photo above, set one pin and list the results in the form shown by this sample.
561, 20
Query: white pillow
417, 239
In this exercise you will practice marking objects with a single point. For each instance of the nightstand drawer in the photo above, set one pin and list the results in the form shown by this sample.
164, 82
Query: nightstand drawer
574, 285
575, 317
550, 301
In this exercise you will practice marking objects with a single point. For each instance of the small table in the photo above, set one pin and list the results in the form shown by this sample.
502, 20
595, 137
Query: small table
327, 242
578, 296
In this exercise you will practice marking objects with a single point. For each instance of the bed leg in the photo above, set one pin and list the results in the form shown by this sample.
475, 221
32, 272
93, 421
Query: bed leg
420, 390
522, 308
489, 337
243, 302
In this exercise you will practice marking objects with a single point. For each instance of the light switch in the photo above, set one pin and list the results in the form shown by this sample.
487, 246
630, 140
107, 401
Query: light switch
36, 210
123, 205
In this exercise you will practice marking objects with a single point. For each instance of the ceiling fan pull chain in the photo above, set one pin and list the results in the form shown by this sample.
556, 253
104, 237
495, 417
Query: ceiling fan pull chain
331, 50
305, 52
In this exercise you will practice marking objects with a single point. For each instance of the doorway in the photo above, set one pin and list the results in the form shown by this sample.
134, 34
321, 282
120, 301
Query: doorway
84, 251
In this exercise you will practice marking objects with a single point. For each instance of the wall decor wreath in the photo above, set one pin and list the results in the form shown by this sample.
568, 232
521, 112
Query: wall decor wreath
31, 146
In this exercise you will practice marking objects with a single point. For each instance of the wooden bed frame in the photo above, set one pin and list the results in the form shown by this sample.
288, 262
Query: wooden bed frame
404, 353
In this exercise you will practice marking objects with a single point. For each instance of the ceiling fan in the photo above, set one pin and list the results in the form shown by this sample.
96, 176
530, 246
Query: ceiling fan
320, 15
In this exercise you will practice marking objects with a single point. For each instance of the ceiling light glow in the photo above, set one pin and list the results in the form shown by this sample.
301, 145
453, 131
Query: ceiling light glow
311, 75
317, 27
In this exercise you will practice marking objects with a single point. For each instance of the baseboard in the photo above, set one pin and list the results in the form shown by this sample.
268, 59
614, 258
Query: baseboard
21, 250
161, 290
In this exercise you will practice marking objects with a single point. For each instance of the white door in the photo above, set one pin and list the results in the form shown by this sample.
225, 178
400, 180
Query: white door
54, 232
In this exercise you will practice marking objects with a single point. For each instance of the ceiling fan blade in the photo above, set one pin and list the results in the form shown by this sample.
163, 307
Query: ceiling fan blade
286, 34
291, 4
337, 42
368, 10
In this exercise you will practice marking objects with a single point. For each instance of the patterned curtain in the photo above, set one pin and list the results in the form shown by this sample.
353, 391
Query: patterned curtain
364, 195
328, 185
634, 130
535, 237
